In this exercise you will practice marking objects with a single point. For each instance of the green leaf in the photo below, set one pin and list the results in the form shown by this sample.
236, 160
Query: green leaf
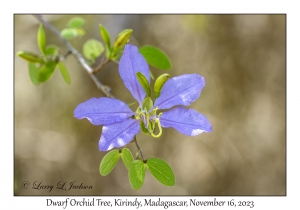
121, 40
126, 157
92, 49
105, 35
30, 56
41, 39
80, 31
51, 50
159, 83
116, 56
106, 38
33, 72
76, 22
109, 161
144, 83
64, 72
69, 33
161, 171
136, 174
47, 71
155, 57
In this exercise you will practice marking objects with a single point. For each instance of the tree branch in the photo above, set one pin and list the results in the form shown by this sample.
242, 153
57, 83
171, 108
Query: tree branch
105, 89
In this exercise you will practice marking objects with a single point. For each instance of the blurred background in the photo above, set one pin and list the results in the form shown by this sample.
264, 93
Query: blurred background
243, 60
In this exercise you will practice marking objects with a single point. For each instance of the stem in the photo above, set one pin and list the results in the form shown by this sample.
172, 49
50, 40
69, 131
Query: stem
63, 57
138, 147
79, 57
103, 63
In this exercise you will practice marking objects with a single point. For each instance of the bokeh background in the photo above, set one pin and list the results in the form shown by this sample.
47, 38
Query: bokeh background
243, 60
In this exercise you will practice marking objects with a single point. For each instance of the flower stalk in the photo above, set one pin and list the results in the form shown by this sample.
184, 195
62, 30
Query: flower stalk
140, 152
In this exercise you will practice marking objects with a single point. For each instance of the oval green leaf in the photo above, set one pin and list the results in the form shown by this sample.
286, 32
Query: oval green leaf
30, 56
122, 39
136, 174
144, 83
41, 39
161, 171
47, 71
69, 33
51, 50
127, 157
109, 161
76, 22
64, 72
33, 72
92, 49
159, 83
106, 38
155, 57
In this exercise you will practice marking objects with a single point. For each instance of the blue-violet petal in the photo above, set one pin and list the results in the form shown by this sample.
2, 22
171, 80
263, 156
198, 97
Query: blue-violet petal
186, 121
180, 90
103, 111
118, 134
132, 62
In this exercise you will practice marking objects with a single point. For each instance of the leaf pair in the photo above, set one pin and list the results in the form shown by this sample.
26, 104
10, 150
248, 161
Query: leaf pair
137, 169
40, 68
114, 52
111, 159
43, 73
157, 167
93, 48
74, 28
158, 85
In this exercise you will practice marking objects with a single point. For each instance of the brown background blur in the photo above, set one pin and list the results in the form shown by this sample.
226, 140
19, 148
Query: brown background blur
243, 60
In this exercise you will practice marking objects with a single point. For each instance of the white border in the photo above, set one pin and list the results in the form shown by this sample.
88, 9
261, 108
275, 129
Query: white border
6, 85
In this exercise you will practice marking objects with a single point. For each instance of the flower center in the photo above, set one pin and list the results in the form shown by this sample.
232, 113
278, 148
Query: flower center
149, 121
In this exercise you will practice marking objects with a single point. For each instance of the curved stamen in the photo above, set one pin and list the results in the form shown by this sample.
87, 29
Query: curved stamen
159, 127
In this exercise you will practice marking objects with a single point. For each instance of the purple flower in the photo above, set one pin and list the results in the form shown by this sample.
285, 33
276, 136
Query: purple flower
121, 124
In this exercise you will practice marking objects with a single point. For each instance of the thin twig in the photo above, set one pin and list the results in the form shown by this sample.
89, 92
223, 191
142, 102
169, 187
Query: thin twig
138, 147
63, 57
102, 63
105, 89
